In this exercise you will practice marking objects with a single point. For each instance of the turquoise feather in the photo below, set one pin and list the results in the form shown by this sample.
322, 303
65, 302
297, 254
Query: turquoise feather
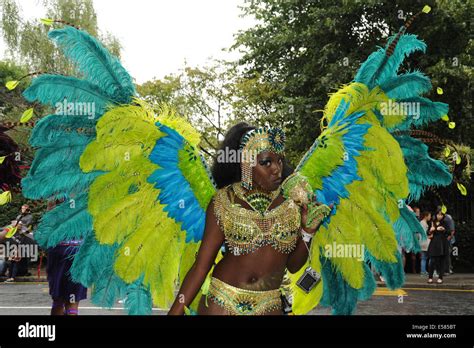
138, 300
393, 273
48, 157
338, 294
66, 222
88, 264
55, 171
108, 288
96, 64
61, 130
406, 229
407, 44
58, 186
423, 171
429, 112
407, 85
53, 89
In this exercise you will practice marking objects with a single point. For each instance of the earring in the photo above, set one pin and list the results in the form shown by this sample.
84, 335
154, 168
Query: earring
246, 175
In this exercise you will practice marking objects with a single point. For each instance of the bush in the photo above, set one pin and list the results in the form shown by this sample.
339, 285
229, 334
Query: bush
464, 262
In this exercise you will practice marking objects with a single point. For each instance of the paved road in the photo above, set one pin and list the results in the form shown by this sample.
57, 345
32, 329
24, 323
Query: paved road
33, 299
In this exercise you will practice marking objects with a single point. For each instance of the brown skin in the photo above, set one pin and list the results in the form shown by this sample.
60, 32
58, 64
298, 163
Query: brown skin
261, 270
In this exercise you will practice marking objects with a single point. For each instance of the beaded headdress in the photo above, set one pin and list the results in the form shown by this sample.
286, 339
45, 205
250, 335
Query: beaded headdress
255, 142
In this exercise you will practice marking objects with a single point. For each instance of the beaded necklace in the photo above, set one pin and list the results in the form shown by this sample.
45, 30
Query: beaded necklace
258, 200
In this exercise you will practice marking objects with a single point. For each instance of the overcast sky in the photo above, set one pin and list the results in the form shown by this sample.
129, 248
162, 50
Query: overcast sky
159, 35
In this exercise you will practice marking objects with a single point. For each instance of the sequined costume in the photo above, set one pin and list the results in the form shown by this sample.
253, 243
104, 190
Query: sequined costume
246, 230
238, 301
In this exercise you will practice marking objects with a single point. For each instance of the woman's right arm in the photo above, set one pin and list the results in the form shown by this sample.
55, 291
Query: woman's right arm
211, 243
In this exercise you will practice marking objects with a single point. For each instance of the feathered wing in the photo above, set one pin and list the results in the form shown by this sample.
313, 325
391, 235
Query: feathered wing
133, 184
149, 205
368, 172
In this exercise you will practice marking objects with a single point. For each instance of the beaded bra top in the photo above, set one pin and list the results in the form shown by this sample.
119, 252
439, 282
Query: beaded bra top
248, 230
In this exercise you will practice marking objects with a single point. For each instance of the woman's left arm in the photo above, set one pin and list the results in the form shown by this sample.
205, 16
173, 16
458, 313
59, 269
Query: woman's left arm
298, 257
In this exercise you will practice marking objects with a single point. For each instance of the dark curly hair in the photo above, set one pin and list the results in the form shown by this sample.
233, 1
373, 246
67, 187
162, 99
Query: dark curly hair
226, 173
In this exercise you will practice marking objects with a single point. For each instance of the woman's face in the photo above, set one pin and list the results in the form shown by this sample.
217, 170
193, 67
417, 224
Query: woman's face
267, 171
439, 216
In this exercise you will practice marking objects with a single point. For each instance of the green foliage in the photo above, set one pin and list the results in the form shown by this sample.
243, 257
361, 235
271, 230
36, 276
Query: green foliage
27, 40
201, 95
309, 48
12, 105
10, 211
465, 244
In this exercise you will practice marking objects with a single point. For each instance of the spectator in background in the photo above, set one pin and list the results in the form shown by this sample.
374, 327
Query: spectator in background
16, 264
448, 265
411, 255
438, 248
424, 244
23, 221
65, 293
417, 212
13, 266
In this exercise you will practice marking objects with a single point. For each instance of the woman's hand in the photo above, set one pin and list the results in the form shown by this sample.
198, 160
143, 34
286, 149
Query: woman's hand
304, 218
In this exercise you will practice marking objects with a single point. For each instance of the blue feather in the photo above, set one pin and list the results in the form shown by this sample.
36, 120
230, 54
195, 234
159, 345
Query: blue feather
175, 191
334, 185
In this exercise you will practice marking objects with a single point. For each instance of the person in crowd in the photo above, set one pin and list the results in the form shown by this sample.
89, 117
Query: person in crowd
13, 266
16, 264
450, 232
424, 244
438, 248
65, 293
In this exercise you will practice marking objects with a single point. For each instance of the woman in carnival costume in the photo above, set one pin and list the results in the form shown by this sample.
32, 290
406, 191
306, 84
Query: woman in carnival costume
260, 226
151, 214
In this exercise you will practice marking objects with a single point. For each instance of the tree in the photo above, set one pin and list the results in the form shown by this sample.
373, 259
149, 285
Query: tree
28, 42
307, 49
199, 94
12, 104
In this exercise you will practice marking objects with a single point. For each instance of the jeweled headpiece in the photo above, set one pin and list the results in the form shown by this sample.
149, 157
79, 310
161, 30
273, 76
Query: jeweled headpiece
255, 142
